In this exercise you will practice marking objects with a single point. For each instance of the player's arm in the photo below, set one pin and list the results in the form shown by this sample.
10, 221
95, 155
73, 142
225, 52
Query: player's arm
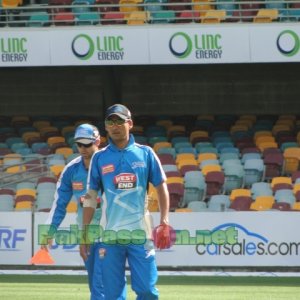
164, 202
89, 205
62, 197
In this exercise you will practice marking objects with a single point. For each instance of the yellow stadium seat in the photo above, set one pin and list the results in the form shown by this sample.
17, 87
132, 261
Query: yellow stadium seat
213, 16
24, 205
72, 207
265, 145
185, 162
30, 192
11, 3
183, 210
30, 134
198, 134
65, 151
138, 18
55, 139
260, 133
296, 206
266, 16
56, 169
206, 156
159, 145
262, 203
175, 180
239, 192
281, 179
40, 124
264, 139
165, 123
152, 199
210, 168
180, 157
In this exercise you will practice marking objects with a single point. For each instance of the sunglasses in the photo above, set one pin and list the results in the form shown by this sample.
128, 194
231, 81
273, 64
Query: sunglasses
79, 145
118, 122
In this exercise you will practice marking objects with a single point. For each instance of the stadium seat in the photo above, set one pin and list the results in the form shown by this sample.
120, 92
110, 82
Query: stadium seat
214, 16
266, 16
263, 203
6, 202
197, 206
176, 192
38, 19
254, 171
273, 165
241, 203
166, 16
222, 201
282, 206
214, 183
261, 189
194, 187
239, 192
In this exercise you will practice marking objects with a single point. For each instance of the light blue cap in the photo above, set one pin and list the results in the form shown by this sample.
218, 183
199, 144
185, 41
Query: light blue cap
86, 134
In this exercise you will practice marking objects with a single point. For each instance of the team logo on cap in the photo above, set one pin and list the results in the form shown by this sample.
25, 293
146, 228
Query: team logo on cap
125, 181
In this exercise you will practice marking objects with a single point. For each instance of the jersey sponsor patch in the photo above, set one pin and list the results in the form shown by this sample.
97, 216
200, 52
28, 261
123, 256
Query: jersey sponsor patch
138, 164
125, 181
77, 186
108, 169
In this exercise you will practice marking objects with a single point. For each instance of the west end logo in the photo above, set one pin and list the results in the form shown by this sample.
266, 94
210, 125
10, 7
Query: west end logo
203, 46
104, 47
288, 43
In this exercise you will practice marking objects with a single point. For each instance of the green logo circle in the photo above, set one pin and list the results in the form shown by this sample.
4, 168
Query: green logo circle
296, 46
188, 49
91, 48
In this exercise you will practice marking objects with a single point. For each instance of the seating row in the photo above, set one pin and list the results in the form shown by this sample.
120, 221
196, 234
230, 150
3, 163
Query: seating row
138, 12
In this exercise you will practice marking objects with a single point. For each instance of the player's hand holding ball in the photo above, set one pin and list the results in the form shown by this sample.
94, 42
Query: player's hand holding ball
164, 236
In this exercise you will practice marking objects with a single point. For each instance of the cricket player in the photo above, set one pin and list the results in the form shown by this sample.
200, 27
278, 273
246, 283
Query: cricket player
72, 182
122, 170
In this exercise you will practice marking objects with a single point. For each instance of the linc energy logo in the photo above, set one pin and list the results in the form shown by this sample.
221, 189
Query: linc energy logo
13, 49
288, 43
105, 47
202, 46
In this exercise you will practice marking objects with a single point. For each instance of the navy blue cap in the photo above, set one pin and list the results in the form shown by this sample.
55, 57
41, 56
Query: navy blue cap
119, 110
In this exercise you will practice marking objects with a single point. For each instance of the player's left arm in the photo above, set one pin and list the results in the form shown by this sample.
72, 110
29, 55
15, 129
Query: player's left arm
164, 202
157, 177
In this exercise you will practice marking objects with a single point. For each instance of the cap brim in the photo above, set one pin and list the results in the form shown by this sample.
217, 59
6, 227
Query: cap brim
84, 141
117, 114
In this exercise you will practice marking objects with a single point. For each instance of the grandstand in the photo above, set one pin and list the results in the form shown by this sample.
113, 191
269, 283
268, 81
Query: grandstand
113, 12
214, 88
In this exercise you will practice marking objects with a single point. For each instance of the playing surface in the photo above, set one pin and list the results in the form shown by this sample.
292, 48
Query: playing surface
66, 287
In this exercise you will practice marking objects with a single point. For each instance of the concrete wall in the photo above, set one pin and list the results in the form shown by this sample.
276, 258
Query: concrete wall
189, 89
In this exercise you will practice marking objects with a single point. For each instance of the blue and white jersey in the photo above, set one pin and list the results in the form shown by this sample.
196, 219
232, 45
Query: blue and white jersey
123, 175
72, 183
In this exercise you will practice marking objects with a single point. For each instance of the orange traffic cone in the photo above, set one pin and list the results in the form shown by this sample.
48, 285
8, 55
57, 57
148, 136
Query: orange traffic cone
42, 257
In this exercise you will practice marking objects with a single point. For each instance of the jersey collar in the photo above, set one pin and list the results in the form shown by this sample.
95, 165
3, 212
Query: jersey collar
129, 145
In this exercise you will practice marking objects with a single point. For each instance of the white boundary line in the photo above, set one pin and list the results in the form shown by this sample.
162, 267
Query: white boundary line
161, 273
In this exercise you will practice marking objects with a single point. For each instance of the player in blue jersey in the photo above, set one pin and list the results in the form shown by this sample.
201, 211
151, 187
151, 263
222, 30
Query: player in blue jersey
123, 170
72, 183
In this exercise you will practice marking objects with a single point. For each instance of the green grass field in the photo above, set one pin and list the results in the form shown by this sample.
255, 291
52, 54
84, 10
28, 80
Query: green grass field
63, 287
